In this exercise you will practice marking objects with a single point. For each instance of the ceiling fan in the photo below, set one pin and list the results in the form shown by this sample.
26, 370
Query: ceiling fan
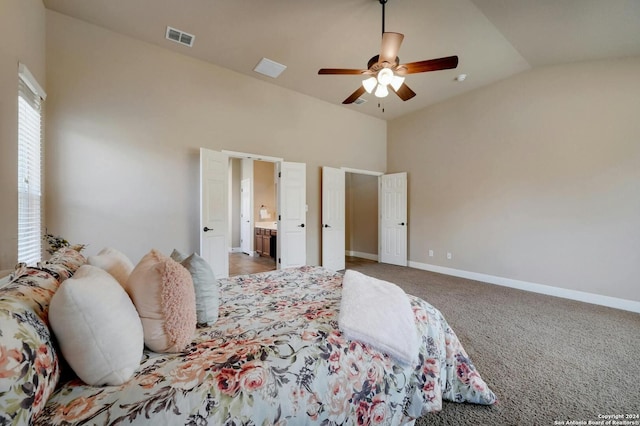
385, 72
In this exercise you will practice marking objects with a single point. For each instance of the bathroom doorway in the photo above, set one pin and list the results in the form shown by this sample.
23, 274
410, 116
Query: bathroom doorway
253, 216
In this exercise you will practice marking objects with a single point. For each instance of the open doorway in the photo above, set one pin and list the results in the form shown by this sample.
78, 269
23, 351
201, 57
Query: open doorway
374, 198
253, 216
361, 217
218, 199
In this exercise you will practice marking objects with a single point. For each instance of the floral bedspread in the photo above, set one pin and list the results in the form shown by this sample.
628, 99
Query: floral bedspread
276, 356
29, 364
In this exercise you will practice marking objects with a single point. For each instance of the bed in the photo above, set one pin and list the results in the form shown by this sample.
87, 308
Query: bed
277, 356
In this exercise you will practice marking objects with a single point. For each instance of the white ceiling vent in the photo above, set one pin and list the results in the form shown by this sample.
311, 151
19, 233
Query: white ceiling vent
269, 68
181, 37
360, 101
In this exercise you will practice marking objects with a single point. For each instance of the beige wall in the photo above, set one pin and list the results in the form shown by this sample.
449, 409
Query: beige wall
22, 39
264, 190
535, 178
126, 122
361, 213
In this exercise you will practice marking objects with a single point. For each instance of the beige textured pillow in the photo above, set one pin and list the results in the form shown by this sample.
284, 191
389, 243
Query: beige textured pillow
162, 291
114, 262
97, 326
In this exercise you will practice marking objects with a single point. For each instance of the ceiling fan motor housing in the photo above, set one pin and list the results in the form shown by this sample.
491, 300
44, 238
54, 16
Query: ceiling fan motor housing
374, 65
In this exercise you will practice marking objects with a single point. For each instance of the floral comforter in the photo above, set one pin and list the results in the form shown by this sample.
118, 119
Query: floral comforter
276, 356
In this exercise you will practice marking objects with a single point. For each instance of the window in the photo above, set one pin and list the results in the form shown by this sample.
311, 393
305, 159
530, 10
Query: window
30, 97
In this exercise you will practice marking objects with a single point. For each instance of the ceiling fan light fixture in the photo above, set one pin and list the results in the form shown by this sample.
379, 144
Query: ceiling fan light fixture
396, 82
369, 84
385, 75
381, 91
387, 70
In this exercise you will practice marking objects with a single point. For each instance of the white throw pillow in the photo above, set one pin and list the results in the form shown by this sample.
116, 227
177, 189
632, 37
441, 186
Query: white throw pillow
97, 326
114, 262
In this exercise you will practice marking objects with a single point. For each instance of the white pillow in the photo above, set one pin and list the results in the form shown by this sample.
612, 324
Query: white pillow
114, 262
97, 326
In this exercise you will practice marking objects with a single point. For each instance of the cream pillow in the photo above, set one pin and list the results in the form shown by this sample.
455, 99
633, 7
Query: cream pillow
97, 326
162, 291
114, 262
204, 284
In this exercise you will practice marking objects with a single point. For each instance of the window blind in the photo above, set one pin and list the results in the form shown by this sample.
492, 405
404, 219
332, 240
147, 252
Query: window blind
29, 171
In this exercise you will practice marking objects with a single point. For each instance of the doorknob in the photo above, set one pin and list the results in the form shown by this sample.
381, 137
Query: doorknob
401, 224
327, 226
207, 229
301, 225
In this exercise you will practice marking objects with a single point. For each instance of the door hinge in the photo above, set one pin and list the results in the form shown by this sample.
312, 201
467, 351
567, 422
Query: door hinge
279, 174
279, 262
279, 218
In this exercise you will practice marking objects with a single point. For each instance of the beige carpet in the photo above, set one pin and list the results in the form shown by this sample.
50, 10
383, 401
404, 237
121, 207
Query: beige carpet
547, 359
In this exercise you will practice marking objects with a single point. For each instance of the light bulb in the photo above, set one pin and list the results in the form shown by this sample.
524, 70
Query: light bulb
369, 84
384, 76
396, 82
381, 91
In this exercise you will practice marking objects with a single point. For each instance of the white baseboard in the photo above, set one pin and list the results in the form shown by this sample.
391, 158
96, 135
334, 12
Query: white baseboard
596, 299
362, 255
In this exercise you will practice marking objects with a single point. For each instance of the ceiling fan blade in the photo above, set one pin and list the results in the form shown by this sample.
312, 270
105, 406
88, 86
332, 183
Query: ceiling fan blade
341, 71
355, 95
390, 46
404, 92
429, 65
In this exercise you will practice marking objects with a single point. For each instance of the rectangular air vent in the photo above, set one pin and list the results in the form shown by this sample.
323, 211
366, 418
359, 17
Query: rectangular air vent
359, 101
181, 37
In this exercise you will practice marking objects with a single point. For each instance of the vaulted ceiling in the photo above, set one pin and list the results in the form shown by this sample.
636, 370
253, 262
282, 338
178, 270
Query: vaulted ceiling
493, 39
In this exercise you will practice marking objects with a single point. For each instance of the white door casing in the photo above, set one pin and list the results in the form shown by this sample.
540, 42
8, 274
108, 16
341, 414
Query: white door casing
292, 227
393, 219
333, 218
214, 213
246, 236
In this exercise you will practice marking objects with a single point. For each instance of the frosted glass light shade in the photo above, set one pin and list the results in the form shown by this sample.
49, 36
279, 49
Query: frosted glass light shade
369, 84
396, 82
381, 91
385, 75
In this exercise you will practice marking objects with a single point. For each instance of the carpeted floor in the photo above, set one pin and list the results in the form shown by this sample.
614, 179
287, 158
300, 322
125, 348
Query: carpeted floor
549, 360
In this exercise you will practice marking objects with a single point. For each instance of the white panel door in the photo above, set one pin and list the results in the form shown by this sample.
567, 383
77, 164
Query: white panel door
246, 236
333, 218
393, 219
292, 215
214, 213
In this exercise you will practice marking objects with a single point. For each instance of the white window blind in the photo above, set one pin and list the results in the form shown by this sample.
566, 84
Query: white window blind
30, 97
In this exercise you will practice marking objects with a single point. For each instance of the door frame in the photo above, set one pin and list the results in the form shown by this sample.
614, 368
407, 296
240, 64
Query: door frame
254, 157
